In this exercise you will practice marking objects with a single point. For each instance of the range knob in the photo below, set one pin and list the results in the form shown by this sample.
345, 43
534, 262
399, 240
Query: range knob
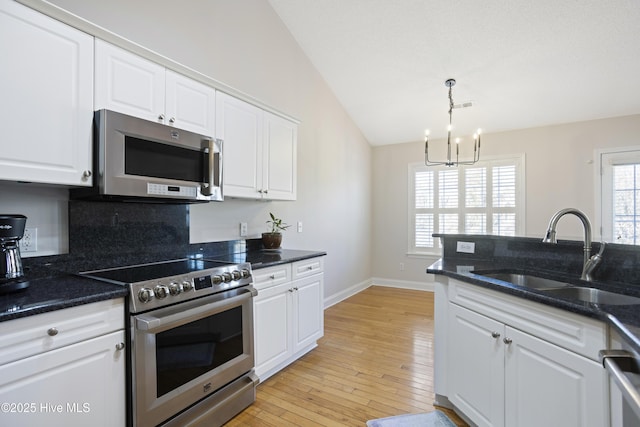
245, 273
216, 279
161, 291
175, 288
145, 295
226, 277
187, 286
236, 275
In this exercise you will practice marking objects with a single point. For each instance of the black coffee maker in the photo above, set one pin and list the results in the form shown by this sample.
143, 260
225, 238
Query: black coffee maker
11, 272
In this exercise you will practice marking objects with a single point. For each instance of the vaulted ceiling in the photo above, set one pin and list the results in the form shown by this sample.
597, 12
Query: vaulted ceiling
521, 63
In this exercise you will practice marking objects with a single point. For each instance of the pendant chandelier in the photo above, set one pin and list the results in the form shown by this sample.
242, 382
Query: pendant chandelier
476, 138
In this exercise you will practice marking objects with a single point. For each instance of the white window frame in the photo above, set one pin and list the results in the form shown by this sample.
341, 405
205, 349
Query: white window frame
604, 185
517, 159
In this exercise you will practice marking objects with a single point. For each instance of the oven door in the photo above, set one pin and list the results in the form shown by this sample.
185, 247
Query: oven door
185, 352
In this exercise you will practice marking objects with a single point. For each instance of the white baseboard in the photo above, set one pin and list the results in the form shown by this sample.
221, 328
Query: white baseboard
376, 281
343, 295
403, 284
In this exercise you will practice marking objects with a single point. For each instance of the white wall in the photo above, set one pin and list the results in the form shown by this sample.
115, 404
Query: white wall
243, 44
560, 173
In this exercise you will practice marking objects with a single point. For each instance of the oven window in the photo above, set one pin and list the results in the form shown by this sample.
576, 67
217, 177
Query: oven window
191, 350
153, 159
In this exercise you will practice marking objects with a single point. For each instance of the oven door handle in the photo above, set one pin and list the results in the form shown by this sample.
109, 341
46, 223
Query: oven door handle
617, 362
176, 316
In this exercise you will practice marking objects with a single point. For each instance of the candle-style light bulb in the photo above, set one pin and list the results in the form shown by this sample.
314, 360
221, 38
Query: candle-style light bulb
426, 141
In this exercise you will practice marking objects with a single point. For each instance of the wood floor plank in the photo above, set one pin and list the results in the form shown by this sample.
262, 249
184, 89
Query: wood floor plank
375, 360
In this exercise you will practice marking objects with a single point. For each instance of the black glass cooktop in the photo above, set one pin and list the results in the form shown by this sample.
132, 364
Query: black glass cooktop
141, 273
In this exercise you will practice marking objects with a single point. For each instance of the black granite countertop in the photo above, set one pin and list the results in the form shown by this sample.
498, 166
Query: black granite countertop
54, 285
55, 293
266, 257
625, 319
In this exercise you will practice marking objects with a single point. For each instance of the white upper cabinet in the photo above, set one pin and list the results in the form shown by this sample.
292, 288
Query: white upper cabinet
130, 84
260, 154
279, 157
46, 82
239, 125
190, 104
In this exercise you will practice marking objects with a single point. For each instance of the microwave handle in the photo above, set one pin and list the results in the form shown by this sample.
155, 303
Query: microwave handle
214, 149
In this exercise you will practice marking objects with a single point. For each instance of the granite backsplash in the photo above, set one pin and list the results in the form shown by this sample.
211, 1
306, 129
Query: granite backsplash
113, 234
620, 263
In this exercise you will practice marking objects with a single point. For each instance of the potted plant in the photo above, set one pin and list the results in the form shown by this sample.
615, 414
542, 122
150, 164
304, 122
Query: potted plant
272, 239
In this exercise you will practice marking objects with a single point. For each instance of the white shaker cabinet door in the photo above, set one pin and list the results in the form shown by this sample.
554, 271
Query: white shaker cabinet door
46, 82
78, 385
548, 385
128, 83
280, 157
190, 104
308, 311
272, 327
239, 125
476, 366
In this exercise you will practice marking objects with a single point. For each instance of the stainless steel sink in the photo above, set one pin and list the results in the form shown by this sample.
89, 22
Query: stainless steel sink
524, 280
597, 296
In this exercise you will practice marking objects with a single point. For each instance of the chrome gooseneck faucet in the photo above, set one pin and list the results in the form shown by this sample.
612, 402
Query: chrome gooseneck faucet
589, 262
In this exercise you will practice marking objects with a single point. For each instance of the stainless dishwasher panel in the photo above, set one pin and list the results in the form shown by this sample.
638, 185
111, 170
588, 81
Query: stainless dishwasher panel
623, 366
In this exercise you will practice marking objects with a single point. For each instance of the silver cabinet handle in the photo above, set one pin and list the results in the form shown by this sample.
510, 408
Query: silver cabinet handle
120, 346
290, 289
172, 120
86, 174
507, 341
613, 361
161, 117
52, 332
272, 277
495, 334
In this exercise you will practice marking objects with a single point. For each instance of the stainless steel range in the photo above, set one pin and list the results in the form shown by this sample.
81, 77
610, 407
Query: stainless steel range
191, 333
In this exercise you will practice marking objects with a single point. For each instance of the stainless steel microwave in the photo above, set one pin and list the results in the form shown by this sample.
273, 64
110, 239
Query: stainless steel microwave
136, 159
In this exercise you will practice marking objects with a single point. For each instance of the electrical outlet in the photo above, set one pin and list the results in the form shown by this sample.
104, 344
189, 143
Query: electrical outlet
466, 247
29, 242
243, 229
299, 226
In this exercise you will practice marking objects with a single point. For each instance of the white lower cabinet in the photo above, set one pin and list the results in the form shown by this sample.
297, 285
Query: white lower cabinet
508, 362
288, 314
77, 378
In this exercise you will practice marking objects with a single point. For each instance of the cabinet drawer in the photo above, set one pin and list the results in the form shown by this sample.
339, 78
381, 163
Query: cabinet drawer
271, 276
307, 267
579, 334
27, 336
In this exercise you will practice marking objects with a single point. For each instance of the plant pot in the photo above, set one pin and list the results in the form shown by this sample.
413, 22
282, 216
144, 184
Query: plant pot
271, 240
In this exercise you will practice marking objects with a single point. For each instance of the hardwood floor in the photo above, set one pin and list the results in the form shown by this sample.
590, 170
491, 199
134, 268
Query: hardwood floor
375, 360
